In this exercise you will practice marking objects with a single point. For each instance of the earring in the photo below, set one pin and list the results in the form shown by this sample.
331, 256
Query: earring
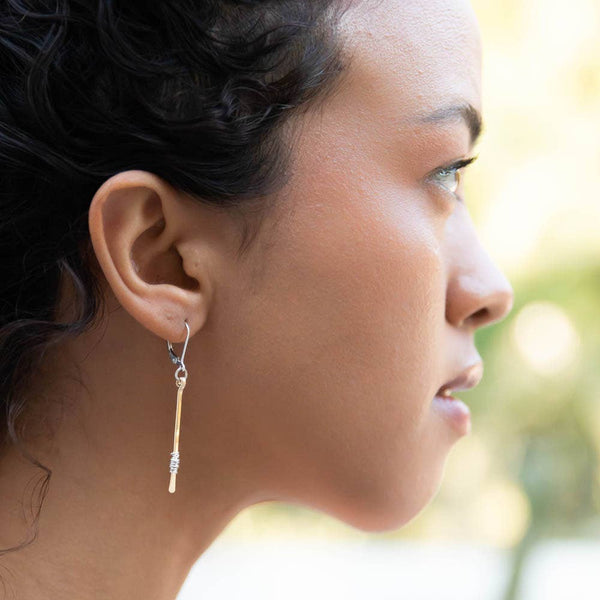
180, 380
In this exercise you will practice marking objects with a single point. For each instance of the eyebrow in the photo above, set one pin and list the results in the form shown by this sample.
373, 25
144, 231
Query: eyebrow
465, 112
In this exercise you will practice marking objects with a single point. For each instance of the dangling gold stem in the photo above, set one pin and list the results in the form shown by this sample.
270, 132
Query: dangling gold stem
175, 454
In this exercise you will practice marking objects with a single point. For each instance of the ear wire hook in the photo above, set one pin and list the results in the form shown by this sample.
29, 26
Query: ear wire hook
176, 359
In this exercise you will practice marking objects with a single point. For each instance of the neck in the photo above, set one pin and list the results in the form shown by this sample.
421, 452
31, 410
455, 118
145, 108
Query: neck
108, 527
103, 537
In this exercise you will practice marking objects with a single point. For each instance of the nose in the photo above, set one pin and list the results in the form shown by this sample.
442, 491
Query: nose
478, 292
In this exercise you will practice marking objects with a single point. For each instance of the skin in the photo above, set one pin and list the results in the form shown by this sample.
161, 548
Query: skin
313, 359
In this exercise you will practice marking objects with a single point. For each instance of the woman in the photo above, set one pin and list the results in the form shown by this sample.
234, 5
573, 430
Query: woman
276, 185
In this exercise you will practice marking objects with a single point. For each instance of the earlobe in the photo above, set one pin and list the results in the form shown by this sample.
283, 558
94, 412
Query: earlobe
137, 225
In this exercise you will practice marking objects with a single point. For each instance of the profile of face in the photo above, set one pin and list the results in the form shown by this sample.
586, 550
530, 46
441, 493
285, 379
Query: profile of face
314, 366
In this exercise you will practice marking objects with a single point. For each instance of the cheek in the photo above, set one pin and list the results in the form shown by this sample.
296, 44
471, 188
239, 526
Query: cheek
350, 312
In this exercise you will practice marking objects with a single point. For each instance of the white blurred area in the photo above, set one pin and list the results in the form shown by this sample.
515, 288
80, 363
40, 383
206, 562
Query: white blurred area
319, 570
283, 569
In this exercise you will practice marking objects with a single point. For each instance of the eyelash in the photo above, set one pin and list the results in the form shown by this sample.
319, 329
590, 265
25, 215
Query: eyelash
455, 168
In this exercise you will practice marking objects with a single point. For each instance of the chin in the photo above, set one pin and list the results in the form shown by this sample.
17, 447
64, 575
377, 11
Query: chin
391, 508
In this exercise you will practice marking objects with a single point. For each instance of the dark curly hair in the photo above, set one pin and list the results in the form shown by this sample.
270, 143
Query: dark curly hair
196, 92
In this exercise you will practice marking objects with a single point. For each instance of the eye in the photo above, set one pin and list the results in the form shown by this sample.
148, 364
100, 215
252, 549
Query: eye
449, 177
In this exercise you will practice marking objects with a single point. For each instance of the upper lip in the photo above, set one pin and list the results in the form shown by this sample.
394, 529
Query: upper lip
469, 378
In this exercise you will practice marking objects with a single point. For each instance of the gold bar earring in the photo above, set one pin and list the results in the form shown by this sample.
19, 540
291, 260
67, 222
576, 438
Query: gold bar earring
180, 380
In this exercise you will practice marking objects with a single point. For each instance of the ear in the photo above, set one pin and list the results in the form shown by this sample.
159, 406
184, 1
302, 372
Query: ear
150, 243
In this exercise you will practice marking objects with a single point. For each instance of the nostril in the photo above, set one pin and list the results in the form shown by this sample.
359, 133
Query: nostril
494, 311
479, 318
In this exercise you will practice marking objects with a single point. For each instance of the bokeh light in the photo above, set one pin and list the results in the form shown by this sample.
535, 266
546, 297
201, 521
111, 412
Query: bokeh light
546, 338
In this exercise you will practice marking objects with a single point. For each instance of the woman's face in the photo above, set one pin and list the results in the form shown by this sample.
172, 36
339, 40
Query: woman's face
364, 288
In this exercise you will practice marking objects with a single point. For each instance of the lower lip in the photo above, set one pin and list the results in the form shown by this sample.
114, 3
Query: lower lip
456, 412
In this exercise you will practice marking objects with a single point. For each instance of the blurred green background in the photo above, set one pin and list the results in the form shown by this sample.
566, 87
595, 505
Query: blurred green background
529, 469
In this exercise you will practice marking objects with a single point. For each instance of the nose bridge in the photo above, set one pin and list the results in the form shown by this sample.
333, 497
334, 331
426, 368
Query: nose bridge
478, 293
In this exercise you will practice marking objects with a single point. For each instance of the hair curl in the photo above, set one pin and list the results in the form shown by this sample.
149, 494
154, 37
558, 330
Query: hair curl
195, 92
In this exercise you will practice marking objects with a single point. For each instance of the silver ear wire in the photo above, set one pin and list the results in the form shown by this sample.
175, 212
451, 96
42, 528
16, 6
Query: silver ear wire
176, 359
180, 381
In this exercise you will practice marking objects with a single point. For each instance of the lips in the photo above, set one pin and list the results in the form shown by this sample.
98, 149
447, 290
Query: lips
467, 379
